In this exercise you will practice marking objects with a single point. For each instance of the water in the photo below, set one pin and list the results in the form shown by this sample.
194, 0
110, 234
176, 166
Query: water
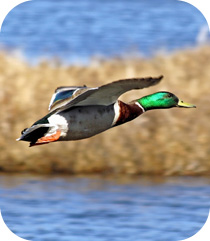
78, 30
104, 209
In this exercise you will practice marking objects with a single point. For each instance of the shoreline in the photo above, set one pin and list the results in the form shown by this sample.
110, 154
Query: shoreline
161, 142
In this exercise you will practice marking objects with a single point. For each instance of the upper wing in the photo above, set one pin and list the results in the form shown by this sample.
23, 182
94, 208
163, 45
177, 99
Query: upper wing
105, 94
109, 93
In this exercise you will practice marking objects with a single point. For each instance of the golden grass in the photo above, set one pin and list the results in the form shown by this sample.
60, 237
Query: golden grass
165, 142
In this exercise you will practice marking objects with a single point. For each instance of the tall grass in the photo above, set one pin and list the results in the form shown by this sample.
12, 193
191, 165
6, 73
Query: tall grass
165, 142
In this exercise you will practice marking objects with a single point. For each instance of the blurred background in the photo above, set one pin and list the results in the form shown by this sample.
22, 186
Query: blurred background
145, 180
78, 32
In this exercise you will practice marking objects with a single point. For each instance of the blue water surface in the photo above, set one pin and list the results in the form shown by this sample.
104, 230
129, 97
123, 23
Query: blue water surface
78, 30
103, 209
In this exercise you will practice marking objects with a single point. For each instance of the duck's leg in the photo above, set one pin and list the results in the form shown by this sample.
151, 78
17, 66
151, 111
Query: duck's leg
47, 139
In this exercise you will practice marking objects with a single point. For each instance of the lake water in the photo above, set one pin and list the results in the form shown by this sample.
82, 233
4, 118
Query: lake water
103, 209
75, 31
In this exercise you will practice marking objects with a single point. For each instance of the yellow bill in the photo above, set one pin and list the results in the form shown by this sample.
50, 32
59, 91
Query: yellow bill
185, 105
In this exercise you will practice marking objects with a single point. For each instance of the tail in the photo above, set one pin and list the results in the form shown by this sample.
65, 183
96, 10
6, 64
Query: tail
32, 134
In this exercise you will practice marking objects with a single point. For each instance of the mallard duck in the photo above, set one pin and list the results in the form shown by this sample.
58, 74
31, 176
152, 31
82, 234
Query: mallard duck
79, 112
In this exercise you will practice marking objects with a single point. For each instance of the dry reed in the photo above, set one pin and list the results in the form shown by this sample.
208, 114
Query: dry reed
164, 142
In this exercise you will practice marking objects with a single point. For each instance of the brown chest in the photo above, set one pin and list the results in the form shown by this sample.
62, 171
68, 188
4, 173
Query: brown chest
127, 112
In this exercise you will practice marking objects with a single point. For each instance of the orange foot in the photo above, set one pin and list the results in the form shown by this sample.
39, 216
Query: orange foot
47, 139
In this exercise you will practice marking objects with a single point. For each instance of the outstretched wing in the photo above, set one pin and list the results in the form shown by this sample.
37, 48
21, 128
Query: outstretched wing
109, 93
105, 94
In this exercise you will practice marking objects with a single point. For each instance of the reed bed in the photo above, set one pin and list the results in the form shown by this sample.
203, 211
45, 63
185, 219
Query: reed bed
160, 142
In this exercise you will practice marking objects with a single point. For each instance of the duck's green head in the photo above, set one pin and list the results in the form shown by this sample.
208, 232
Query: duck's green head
162, 100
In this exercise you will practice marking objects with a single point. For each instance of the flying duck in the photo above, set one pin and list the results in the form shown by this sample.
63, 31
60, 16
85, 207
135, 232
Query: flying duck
78, 112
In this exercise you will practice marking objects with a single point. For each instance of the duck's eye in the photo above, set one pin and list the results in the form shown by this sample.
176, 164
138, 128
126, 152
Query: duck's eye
169, 95
23, 131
